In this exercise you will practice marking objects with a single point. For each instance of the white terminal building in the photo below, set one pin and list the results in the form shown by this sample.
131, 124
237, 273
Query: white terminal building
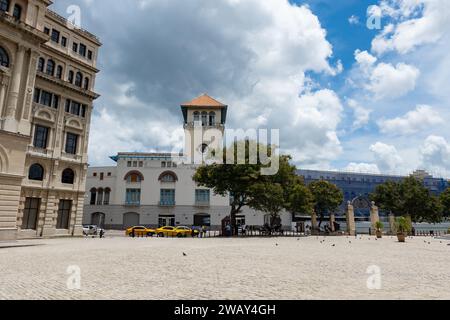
156, 189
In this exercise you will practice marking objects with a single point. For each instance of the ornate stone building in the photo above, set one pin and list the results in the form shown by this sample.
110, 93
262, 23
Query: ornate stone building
47, 76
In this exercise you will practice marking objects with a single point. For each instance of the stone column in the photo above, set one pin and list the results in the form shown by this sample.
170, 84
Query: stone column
351, 226
2, 96
392, 224
314, 221
13, 99
374, 218
332, 221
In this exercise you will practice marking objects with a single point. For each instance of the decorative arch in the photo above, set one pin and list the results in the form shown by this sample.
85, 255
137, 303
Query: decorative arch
131, 219
50, 67
45, 115
132, 174
70, 76
79, 79
74, 123
163, 177
68, 176
36, 172
86, 83
98, 219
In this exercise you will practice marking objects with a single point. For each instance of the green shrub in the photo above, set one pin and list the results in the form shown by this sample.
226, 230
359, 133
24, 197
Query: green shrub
379, 225
403, 225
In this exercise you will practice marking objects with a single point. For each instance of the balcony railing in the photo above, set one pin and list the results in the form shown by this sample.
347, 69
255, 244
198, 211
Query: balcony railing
39, 151
167, 203
72, 157
189, 125
132, 203
202, 203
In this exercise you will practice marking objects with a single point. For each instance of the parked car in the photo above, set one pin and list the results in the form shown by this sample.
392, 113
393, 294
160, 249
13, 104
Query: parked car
91, 230
140, 232
180, 232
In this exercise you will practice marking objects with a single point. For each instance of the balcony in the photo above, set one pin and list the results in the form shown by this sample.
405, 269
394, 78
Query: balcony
34, 151
71, 157
203, 204
191, 125
167, 203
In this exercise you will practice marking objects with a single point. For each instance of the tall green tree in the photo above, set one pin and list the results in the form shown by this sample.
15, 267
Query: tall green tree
445, 202
387, 197
243, 182
300, 199
409, 198
327, 198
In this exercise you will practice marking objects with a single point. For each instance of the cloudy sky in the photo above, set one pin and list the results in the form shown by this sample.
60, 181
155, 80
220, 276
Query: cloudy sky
344, 96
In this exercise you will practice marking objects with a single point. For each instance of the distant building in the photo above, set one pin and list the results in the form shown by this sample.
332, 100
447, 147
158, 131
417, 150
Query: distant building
361, 185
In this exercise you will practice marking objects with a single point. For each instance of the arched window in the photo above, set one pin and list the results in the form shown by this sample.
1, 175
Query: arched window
36, 172
196, 116
71, 75
17, 13
212, 119
50, 67
100, 197
86, 83
134, 177
204, 119
59, 71
93, 196
68, 176
107, 196
4, 5
79, 79
4, 59
41, 64
168, 176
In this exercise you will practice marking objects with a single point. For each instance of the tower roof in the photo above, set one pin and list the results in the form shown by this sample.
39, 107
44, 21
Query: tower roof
204, 101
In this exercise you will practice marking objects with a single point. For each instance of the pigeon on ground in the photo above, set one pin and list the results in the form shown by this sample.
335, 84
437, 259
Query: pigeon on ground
184, 254
333, 245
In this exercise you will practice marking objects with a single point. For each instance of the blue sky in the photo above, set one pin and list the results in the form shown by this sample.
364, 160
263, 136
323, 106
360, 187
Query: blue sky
344, 97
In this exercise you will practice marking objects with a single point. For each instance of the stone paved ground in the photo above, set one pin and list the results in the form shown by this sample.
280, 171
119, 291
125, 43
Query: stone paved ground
124, 268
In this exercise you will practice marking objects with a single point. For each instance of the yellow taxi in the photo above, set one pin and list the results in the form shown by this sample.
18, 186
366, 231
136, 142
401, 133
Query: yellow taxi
140, 232
179, 232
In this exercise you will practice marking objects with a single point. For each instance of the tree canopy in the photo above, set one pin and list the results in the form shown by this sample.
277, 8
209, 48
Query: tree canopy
327, 197
409, 198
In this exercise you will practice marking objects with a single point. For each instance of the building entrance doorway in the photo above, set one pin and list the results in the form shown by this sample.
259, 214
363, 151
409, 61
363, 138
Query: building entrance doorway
166, 221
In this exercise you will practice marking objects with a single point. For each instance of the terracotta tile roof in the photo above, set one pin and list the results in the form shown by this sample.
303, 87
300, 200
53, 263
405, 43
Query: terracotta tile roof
204, 101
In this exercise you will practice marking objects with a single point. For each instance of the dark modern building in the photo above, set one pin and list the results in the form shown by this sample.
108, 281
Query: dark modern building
361, 185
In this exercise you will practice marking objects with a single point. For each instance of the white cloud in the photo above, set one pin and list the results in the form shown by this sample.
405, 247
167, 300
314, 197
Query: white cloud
435, 154
387, 157
422, 118
411, 30
388, 81
361, 114
255, 63
364, 58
